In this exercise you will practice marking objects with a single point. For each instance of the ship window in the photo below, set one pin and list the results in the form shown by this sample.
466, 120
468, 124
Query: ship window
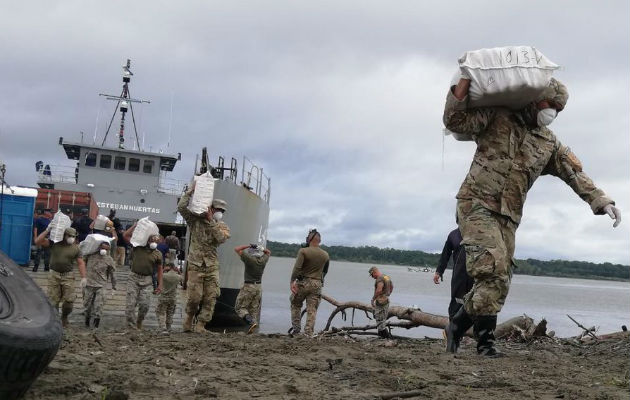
106, 161
134, 164
90, 160
120, 163
148, 166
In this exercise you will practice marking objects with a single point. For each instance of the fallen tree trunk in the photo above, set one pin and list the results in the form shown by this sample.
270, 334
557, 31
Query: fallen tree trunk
522, 327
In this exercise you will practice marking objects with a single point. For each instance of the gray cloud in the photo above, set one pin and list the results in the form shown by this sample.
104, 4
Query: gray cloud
340, 103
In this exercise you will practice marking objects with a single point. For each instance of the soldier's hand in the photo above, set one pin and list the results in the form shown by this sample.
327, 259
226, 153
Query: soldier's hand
192, 187
614, 213
158, 290
436, 278
372, 302
83, 282
294, 288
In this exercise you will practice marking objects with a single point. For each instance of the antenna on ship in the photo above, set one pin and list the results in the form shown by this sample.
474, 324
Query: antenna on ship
125, 102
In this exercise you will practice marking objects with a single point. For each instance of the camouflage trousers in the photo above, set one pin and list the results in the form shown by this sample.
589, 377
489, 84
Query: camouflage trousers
488, 238
93, 301
309, 290
61, 289
380, 315
138, 295
248, 300
203, 288
164, 312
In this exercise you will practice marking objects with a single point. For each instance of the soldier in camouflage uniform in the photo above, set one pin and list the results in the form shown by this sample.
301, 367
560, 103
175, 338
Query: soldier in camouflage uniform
513, 149
168, 298
100, 265
383, 287
207, 232
307, 279
248, 300
63, 256
139, 284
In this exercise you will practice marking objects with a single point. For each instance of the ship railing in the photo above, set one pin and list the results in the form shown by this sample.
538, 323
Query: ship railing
255, 179
171, 186
57, 174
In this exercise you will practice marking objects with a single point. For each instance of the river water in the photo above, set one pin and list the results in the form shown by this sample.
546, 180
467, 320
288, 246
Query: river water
604, 304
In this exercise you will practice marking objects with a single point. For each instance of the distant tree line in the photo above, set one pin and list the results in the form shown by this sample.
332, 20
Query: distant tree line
417, 258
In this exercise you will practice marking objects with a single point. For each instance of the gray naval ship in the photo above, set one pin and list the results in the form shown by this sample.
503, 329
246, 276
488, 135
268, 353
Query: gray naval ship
136, 184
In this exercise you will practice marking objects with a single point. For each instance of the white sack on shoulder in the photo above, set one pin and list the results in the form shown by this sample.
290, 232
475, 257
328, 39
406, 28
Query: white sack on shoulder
509, 76
145, 228
100, 222
203, 194
58, 226
92, 242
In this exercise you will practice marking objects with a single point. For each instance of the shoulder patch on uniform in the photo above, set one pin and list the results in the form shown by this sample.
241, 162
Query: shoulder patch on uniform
574, 161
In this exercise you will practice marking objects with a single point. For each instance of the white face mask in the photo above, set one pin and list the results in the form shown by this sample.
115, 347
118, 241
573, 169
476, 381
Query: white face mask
218, 216
153, 245
107, 228
102, 252
546, 116
70, 240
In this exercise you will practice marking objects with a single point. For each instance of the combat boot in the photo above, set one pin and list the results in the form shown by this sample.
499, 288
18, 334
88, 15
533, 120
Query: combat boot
87, 320
456, 329
251, 323
201, 326
188, 323
139, 324
484, 331
96, 322
65, 311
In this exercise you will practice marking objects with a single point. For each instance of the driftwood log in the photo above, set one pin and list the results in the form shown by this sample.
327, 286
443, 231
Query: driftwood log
522, 327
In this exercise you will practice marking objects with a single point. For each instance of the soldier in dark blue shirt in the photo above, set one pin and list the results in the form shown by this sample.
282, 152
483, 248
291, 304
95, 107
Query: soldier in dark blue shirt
461, 282
39, 225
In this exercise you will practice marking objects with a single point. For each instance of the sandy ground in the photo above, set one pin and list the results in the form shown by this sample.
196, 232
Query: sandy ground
146, 365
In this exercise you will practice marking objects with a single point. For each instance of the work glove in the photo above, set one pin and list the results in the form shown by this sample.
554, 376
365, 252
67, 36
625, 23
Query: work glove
83, 282
614, 213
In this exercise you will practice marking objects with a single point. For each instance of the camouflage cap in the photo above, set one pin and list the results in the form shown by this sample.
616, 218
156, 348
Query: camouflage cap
219, 204
70, 232
557, 93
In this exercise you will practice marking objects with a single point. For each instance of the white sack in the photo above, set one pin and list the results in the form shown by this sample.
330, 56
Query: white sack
510, 76
58, 225
203, 194
100, 222
144, 230
92, 242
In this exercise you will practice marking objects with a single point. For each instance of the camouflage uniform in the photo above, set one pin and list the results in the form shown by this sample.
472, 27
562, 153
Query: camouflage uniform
248, 299
512, 152
63, 257
167, 300
381, 303
98, 269
310, 267
140, 283
203, 265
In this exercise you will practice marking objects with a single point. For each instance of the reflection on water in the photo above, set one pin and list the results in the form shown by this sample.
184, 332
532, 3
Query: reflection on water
603, 304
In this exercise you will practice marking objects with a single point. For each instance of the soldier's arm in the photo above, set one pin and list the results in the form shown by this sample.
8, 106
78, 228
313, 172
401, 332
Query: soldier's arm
182, 205
565, 165
220, 231
81, 265
297, 267
128, 233
378, 290
444, 257
461, 119
42, 240
239, 249
159, 273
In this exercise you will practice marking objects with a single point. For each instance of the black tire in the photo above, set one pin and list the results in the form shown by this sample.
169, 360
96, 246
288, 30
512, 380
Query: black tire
30, 330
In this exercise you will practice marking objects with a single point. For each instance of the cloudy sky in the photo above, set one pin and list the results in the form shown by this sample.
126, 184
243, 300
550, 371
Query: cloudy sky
339, 102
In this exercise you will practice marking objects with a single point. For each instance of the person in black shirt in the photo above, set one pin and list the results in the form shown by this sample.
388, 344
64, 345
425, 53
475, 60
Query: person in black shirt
39, 225
83, 225
461, 282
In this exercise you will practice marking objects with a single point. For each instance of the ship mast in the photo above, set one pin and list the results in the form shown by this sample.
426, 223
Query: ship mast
124, 104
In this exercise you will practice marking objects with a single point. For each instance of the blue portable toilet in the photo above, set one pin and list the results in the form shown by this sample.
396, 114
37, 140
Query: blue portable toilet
16, 231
